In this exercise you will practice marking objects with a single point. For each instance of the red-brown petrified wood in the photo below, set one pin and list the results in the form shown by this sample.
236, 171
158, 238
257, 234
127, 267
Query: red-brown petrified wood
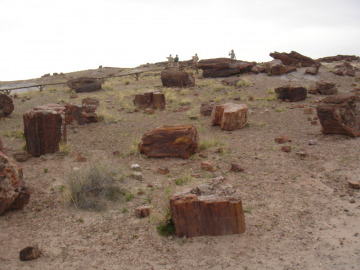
230, 116
224, 67
174, 78
150, 99
340, 115
6, 105
209, 209
170, 141
290, 93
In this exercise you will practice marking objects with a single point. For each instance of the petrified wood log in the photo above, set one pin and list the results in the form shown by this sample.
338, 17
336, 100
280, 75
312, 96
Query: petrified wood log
229, 116
84, 84
170, 141
345, 69
291, 93
83, 114
275, 67
223, 67
294, 58
150, 99
339, 57
6, 105
14, 193
174, 78
209, 209
326, 88
340, 115
44, 127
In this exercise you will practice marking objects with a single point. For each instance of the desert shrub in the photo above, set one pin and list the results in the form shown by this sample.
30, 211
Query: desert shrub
166, 227
93, 186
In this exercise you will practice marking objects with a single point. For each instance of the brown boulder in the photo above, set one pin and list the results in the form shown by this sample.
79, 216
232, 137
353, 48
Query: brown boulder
209, 209
209, 165
14, 193
174, 78
232, 81
313, 70
206, 108
291, 93
170, 141
223, 67
340, 115
44, 128
258, 69
21, 156
345, 69
294, 58
84, 84
275, 67
6, 105
339, 57
142, 211
230, 116
29, 253
150, 99
83, 114
326, 88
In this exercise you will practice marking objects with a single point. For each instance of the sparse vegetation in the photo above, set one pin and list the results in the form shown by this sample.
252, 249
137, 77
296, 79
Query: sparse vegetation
166, 227
183, 179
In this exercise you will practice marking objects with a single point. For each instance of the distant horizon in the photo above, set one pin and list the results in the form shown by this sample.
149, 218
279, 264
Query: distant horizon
40, 37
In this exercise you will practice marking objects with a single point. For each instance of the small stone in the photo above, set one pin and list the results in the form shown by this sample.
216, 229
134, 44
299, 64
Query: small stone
193, 117
142, 211
196, 175
137, 175
149, 111
78, 157
29, 253
352, 201
314, 122
116, 153
38, 208
21, 156
282, 139
163, 170
286, 148
236, 168
135, 167
209, 165
302, 154
354, 184
312, 142
149, 185
203, 154
308, 110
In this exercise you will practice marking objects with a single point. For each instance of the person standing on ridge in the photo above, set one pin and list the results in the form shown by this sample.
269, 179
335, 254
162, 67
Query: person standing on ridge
176, 61
195, 59
232, 54
170, 61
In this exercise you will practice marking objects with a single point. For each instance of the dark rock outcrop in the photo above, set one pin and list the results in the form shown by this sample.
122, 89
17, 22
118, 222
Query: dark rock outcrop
345, 69
174, 78
339, 57
294, 58
6, 105
223, 67
84, 84
290, 93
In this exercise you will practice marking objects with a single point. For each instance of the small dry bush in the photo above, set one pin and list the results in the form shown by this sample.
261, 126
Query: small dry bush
92, 187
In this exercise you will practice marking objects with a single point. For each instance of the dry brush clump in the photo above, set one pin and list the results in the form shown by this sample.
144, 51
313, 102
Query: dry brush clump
92, 187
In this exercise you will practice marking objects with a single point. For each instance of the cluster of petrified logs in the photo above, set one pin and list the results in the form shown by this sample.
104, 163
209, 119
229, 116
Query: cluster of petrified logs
340, 115
14, 193
209, 209
150, 99
6, 105
323, 88
175, 78
45, 125
223, 67
84, 84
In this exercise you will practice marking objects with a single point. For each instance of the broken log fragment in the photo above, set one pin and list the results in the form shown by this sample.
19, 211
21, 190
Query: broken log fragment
84, 84
170, 141
6, 105
290, 93
150, 99
230, 116
224, 67
340, 115
174, 78
209, 209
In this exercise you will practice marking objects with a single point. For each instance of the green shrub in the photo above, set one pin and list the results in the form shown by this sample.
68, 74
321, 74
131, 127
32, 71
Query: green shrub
166, 227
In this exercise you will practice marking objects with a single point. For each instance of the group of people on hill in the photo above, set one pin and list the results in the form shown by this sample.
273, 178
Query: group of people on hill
175, 61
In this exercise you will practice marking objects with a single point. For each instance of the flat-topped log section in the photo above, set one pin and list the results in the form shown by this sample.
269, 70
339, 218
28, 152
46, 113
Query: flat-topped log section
229, 116
224, 67
150, 99
209, 209
340, 115
170, 141
291, 93
174, 78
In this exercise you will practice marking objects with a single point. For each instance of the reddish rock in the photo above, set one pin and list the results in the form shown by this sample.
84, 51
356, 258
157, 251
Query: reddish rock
258, 69
174, 78
209, 165
291, 93
78, 157
326, 88
83, 114
283, 139
294, 59
354, 184
21, 156
6, 105
14, 193
290, 69
275, 67
93, 102
286, 148
44, 128
209, 209
236, 168
302, 154
312, 70
206, 108
232, 81
223, 67
308, 110
84, 84
339, 57
163, 170
340, 115
142, 211
170, 141
314, 122
230, 116
150, 99
1, 145
345, 69
29, 253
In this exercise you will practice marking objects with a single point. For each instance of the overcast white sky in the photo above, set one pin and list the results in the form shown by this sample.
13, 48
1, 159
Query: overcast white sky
46, 36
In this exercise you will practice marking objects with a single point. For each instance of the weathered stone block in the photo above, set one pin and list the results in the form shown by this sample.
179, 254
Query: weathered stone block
290, 93
230, 116
84, 84
174, 78
150, 99
6, 105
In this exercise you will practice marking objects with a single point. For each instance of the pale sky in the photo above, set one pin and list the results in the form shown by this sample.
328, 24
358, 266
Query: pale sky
46, 36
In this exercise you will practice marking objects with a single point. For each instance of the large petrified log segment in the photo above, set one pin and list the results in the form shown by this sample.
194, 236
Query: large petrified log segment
209, 209
230, 116
339, 57
84, 84
224, 67
6, 105
345, 69
326, 88
174, 78
291, 94
150, 99
340, 115
275, 67
83, 114
43, 129
294, 58
170, 141
14, 193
